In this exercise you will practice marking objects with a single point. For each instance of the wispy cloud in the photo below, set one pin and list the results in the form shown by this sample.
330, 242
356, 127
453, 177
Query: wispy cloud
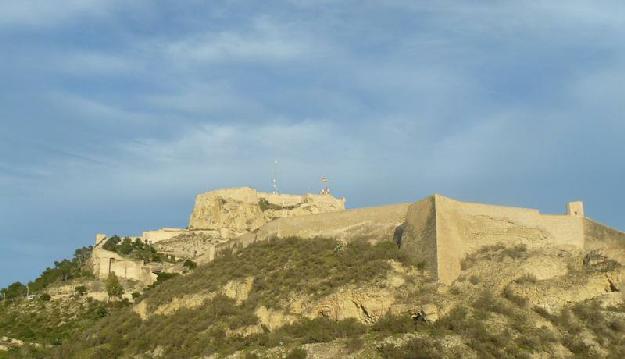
263, 41
43, 13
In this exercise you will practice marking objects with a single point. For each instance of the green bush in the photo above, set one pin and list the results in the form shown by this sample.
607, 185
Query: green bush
394, 324
297, 353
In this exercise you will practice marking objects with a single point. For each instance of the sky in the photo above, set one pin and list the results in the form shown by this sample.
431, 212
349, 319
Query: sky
115, 114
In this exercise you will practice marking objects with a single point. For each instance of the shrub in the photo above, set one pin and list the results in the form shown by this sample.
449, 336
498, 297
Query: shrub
394, 324
189, 264
354, 344
618, 325
81, 290
509, 294
113, 287
297, 353
416, 348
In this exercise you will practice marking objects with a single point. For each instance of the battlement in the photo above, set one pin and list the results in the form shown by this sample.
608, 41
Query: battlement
575, 209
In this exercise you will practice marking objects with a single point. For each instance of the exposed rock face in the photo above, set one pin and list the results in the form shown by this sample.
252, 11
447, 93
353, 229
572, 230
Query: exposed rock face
367, 305
236, 211
238, 290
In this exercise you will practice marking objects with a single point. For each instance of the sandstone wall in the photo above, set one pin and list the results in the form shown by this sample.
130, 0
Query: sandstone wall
236, 211
442, 231
417, 236
105, 262
162, 234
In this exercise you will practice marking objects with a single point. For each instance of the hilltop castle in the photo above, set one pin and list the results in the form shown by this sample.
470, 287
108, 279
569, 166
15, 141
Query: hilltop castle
437, 231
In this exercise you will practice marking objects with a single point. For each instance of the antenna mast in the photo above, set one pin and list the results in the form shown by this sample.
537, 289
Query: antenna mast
324, 183
274, 180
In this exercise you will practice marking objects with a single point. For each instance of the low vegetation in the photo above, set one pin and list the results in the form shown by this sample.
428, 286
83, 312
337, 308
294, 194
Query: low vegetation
287, 267
487, 324
136, 249
497, 252
48, 323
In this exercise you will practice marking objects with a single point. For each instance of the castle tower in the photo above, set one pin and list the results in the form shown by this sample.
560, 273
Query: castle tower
575, 209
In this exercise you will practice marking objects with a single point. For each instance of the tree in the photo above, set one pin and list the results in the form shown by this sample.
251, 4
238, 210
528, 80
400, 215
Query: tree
113, 287
125, 247
111, 244
15, 290
81, 255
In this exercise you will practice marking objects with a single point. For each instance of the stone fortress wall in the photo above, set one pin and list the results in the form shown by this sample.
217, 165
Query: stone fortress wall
441, 232
454, 229
437, 230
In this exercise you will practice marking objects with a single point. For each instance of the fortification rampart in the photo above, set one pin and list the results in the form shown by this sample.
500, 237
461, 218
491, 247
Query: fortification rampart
437, 231
461, 228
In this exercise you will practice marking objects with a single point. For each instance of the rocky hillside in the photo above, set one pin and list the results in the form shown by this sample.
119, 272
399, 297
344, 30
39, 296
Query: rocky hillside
438, 278
321, 298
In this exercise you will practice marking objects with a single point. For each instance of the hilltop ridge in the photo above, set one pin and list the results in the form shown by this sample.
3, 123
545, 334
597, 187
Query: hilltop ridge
265, 275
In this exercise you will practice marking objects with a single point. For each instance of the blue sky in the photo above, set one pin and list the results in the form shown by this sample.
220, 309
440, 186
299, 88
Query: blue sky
113, 116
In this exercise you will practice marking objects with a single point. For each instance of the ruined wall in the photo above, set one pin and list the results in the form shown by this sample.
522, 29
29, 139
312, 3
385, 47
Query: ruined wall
236, 211
162, 234
196, 245
104, 262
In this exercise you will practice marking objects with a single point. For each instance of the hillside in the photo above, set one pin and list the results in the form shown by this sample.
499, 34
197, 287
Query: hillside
360, 300
434, 279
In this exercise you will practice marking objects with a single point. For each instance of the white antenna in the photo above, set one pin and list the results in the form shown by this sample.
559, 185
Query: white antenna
324, 182
275, 175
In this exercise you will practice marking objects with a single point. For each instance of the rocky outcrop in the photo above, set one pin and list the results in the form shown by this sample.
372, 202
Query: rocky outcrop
236, 211
238, 290
367, 305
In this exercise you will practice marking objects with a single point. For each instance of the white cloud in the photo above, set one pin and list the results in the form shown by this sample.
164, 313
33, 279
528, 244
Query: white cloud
51, 12
264, 41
